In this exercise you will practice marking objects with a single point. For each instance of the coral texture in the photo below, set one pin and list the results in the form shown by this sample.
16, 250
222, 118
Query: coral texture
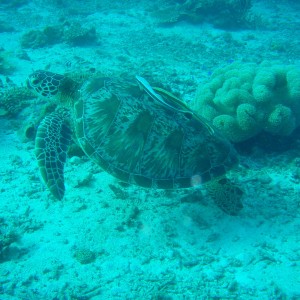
244, 99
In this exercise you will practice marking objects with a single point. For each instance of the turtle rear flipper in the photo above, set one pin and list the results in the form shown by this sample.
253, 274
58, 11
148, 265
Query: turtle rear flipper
51, 145
226, 195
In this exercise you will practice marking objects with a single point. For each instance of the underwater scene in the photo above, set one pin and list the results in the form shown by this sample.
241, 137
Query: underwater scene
149, 149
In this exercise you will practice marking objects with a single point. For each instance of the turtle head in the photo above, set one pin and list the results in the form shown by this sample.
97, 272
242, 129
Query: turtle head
50, 85
45, 84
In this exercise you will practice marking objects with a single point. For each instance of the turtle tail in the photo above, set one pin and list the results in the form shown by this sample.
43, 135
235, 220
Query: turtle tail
51, 145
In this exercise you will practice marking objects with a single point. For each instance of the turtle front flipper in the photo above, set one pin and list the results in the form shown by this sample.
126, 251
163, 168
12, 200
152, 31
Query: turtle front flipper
226, 195
51, 145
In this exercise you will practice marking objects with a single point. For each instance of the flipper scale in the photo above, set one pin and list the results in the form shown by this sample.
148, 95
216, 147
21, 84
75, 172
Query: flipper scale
51, 145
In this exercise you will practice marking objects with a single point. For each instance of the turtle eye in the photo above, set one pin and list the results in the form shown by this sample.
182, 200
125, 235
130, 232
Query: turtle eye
35, 81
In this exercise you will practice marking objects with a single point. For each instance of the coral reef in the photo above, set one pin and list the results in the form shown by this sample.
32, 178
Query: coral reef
71, 33
13, 100
8, 236
13, 3
53, 34
6, 66
4, 27
234, 13
34, 39
77, 7
76, 35
244, 99
50, 35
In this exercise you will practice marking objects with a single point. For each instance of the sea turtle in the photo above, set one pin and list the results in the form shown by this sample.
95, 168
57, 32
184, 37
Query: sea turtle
141, 135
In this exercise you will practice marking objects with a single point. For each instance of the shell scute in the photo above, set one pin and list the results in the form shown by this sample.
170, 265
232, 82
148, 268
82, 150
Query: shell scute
138, 140
141, 181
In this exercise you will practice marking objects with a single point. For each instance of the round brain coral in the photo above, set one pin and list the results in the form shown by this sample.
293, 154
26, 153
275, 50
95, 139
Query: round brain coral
244, 99
262, 94
281, 121
248, 118
293, 81
265, 77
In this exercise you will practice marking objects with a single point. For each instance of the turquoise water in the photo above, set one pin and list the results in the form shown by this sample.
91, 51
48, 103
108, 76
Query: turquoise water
110, 240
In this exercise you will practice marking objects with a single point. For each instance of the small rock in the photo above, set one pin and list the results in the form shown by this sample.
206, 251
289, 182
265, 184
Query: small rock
85, 179
75, 160
213, 237
84, 256
190, 263
265, 179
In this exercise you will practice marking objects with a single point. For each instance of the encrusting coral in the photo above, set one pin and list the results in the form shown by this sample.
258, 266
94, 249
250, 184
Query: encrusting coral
244, 99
